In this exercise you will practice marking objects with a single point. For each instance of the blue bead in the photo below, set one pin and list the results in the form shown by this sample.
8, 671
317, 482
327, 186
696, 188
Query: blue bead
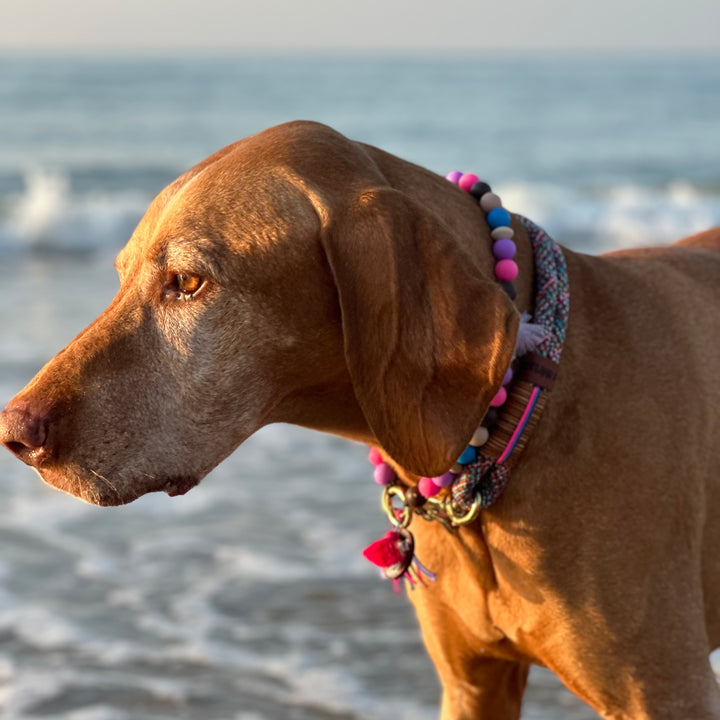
469, 454
499, 217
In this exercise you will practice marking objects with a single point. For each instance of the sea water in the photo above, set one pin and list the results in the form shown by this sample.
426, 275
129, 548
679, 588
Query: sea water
247, 599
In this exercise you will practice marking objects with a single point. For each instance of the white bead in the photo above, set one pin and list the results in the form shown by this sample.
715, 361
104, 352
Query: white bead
490, 201
502, 232
480, 437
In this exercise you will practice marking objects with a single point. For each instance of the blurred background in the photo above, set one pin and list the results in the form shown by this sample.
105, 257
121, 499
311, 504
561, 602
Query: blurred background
248, 599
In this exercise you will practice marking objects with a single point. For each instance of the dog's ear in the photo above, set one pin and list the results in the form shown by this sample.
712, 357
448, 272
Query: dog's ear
427, 337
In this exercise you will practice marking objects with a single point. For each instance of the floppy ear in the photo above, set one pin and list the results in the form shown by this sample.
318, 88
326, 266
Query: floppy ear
427, 337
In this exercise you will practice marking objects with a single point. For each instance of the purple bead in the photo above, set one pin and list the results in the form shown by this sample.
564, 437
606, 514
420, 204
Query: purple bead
383, 474
508, 377
454, 176
504, 249
445, 479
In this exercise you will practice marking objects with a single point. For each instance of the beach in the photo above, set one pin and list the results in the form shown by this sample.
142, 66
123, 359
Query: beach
248, 598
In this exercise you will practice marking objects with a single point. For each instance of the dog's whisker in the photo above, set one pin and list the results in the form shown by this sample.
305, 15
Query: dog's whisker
107, 482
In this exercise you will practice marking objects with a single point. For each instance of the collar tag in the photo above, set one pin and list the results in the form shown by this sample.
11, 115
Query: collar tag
539, 370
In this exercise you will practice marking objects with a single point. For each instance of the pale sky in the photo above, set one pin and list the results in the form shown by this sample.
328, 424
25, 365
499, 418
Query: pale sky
452, 26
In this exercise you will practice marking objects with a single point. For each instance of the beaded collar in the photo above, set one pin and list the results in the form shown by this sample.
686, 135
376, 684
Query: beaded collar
482, 471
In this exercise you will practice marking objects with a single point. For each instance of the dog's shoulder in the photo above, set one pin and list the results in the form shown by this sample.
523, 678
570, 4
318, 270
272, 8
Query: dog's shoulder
707, 240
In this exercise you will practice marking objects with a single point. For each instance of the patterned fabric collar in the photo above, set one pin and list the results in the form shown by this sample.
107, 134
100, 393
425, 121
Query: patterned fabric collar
483, 481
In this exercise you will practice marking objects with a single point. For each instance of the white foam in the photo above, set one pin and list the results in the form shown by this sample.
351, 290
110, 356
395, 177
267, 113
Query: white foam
42, 205
48, 214
337, 691
97, 712
611, 218
253, 564
715, 662
39, 628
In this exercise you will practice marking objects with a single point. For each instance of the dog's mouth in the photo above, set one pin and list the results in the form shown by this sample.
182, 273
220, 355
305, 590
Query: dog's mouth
96, 489
180, 485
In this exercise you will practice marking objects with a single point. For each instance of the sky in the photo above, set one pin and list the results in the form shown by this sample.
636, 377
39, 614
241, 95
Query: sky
389, 26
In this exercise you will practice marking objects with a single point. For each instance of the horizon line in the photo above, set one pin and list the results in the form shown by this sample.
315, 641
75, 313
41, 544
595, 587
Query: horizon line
435, 53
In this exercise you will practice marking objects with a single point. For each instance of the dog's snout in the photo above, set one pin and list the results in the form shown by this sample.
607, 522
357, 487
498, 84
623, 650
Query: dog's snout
24, 433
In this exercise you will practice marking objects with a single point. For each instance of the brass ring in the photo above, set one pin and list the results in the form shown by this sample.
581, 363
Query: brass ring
391, 511
468, 517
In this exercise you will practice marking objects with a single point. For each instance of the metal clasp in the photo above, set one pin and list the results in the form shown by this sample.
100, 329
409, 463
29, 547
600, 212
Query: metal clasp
447, 512
399, 516
458, 519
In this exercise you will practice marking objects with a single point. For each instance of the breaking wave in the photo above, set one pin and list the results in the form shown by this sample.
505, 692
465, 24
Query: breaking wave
48, 215
613, 218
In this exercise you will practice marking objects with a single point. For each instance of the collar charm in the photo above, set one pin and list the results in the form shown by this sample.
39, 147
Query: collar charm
394, 553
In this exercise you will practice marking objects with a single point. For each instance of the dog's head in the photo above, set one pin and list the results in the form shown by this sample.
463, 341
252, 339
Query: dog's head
285, 278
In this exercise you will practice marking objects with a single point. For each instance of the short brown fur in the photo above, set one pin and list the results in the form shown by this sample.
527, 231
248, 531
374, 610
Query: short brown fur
352, 292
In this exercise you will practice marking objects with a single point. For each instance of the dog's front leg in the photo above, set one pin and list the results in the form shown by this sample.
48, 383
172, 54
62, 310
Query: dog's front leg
475, 686
495, 692
482, 675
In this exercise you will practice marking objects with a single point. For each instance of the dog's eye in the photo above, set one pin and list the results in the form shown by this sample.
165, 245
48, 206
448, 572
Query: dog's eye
188, 284
185, 285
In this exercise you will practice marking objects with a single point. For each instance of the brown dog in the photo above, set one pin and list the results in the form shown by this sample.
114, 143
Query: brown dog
297, 276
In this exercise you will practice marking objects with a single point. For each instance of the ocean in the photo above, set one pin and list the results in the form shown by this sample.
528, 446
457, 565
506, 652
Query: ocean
247, 599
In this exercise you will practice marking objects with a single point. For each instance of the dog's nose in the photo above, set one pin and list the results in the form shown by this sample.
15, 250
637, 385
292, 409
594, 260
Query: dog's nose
24, 432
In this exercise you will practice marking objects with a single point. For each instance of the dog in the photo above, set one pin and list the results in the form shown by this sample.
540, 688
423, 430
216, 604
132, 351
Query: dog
297, 276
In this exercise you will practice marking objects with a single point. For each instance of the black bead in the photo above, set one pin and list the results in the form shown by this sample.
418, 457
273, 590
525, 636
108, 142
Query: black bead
509, 288
479, 189
491, 417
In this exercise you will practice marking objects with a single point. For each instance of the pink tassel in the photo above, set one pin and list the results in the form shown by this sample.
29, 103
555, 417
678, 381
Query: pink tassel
394, 554
389, 552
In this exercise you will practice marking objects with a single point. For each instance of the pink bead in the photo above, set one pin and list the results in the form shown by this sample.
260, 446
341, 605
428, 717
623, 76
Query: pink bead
506, 270
504, 249
444, 480
374, 456
490, 201
500, 398
427, 487
454, 176
508, 377
384, 474
467, 181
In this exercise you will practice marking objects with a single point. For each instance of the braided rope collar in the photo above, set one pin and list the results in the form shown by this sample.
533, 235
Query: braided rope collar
483, 481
